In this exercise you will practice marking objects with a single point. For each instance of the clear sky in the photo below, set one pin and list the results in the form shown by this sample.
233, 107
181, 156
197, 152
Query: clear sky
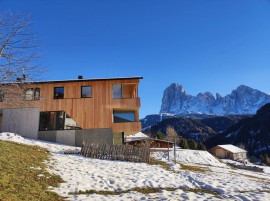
205, 45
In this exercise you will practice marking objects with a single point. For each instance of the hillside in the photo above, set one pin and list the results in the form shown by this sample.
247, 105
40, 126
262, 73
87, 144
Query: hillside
191, 178
253, 133
185, 127
197, 127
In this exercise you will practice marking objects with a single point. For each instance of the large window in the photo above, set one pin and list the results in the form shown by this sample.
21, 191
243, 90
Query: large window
52, 121
86, 92
117, 91
123, 116
56, 120
58, 92
32, 94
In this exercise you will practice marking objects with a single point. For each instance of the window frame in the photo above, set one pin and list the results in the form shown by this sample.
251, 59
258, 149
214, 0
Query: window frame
121, 96
34, 96
90, 91
54, 93
133, 112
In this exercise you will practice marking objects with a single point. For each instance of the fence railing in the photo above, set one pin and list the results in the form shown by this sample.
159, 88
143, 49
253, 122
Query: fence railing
116, 152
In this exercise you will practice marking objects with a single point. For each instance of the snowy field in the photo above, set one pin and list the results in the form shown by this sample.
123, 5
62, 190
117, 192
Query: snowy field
217, 182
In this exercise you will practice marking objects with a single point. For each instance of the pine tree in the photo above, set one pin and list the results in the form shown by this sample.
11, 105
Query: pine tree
192, 144
201, 146
184, 144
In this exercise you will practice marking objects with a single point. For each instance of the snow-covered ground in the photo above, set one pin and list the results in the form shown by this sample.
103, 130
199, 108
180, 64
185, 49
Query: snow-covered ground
82, 173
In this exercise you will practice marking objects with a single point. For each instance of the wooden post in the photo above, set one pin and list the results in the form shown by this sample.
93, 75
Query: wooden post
174, 151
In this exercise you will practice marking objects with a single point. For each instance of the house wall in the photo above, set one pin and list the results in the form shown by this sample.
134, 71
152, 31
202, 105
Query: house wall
89, 113
239, 156
76, 137
218, 152
222, 153
160, 144
21, 121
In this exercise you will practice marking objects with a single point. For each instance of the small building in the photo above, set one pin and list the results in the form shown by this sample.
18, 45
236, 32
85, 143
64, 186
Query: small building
137, 136
154, 143
228, 151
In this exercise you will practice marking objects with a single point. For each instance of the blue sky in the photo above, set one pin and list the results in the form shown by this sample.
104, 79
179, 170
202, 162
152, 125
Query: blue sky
205, 45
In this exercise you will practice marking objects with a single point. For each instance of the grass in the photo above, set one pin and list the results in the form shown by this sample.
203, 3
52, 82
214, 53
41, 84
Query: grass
193, 168
163, 164
23, 174
146, 190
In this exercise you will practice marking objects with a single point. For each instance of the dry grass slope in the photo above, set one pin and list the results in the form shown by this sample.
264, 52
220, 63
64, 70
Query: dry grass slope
23, 174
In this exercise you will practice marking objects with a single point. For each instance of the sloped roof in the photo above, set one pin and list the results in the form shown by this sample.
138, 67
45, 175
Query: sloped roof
231, 148
137, 136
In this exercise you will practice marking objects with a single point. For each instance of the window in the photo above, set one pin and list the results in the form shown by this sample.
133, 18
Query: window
51, 120
32, 94
56, 120
2, 95
58, 92
123, 116
86, 92
117, 91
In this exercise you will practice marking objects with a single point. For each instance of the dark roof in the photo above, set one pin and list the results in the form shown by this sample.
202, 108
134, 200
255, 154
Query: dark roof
80, 80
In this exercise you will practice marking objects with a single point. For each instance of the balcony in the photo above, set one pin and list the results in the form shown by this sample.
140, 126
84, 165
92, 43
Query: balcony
127, 127
126, 103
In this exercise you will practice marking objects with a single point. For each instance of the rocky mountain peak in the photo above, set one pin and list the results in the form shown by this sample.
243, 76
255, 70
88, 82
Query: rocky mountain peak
242, 100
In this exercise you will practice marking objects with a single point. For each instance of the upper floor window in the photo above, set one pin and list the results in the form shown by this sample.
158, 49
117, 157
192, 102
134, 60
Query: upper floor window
58, 92
32, 94
2, 95
86, 92
125, 91
117, 91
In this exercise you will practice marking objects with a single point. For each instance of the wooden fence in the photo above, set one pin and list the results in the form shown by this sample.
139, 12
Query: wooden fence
116, 152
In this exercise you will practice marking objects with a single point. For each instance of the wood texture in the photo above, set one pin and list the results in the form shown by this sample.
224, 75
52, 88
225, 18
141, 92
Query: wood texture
94, 112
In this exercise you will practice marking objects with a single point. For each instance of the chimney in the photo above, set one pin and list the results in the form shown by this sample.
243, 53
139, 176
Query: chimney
80, 77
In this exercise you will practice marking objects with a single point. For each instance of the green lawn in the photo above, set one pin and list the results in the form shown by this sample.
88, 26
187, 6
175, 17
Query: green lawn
23, 175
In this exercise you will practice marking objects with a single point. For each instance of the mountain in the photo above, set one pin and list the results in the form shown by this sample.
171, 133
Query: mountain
186, 127
194, 126
243, 100
253, 133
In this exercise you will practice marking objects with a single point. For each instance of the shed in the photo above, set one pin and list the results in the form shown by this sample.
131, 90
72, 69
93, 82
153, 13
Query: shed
137, 136
154, 143
228, 151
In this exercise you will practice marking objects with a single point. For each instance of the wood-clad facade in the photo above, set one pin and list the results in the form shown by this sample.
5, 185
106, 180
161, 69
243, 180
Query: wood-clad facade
97, 110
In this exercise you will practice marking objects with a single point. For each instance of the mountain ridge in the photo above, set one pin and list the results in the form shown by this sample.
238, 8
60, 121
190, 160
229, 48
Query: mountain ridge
242, 100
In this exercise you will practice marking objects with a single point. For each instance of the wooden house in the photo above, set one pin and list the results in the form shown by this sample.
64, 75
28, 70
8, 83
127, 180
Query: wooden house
228, 151
72, 111
154, 143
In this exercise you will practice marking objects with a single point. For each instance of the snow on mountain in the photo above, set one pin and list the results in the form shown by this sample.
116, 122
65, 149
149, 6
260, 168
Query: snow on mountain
243, 100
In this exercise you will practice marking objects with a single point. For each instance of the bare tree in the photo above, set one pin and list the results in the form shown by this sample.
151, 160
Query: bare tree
19, 56
171, 133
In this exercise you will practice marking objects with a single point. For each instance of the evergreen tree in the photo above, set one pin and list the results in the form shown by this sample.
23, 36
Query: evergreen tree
160, 135
192, 144
201, 146
183, 143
